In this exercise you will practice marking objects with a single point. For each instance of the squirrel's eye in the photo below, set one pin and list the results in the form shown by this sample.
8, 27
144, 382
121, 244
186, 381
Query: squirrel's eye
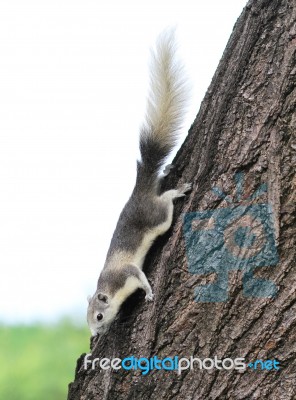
99, 317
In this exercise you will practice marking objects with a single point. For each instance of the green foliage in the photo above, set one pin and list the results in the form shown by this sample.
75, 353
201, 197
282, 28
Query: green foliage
38, 362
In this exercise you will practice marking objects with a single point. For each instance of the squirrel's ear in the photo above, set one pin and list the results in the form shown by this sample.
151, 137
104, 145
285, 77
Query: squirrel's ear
103, 297
89, 298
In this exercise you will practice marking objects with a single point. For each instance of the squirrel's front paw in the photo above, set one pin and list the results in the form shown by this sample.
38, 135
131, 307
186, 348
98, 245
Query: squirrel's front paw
149, 297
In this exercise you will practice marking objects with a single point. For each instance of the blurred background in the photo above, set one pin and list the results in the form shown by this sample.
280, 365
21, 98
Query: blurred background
73, 81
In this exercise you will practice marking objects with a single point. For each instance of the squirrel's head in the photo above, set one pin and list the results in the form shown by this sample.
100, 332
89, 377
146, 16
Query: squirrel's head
100, 313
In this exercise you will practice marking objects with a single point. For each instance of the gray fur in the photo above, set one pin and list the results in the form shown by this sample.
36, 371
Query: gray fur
141, 213
147, 213
112, 280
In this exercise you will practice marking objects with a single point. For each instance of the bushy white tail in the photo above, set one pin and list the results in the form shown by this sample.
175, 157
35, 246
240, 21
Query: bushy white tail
165, 111
168, 93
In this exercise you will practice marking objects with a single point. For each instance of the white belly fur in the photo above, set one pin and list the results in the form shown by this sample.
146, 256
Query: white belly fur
150, 236
131, 284
121, 258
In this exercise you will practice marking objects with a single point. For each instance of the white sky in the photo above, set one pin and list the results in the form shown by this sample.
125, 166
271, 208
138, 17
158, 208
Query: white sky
73, 81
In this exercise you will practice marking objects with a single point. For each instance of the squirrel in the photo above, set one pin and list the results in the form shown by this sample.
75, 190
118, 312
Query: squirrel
148, 213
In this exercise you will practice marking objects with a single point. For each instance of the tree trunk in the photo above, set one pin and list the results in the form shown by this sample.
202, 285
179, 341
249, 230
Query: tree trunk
224, 275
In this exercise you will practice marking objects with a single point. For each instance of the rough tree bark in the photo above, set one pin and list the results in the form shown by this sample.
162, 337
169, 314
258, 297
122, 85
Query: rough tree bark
245, 124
